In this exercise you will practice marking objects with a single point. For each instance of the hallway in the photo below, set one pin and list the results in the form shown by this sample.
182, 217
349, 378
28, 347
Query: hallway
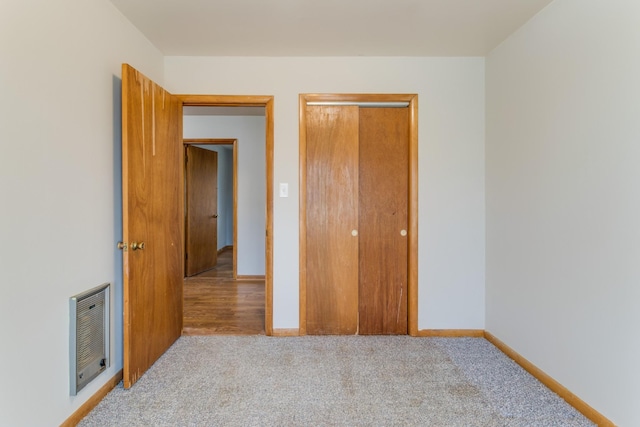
215, 304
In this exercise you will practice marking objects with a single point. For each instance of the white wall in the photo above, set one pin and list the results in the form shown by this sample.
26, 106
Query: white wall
59, 190
225, 193
451, 162
251, 135
563, 199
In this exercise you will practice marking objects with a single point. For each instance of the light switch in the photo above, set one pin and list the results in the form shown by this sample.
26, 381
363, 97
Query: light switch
284, 189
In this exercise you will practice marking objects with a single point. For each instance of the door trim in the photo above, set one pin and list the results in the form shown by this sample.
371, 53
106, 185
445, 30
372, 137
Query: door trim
412, 268
225, 141
265, 101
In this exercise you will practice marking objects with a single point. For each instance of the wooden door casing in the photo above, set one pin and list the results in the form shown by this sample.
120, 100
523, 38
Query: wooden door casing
152, 214
332, 216
383, 220
202, 210
266, 101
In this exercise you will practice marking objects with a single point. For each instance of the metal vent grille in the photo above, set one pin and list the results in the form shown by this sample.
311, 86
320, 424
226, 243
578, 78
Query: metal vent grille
89, 343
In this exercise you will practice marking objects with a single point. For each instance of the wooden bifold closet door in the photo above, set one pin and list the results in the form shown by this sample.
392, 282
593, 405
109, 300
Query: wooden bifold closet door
357, 190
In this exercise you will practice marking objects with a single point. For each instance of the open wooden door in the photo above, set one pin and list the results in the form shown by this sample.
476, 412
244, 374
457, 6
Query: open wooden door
202, 210
152, 221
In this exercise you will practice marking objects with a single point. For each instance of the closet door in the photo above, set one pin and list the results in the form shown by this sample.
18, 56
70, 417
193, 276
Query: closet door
383, 219
332, 220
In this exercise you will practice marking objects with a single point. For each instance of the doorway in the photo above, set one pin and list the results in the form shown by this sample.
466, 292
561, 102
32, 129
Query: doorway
225, 211
236, 292
215, 301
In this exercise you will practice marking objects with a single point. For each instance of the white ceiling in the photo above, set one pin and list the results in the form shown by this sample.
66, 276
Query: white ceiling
328, 27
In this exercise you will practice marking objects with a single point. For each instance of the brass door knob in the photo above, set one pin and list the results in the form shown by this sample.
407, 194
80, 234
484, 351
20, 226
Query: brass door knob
215, 216
137, 246
122, 246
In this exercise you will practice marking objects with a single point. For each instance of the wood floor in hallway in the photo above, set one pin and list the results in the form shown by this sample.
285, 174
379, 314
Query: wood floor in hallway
215, 304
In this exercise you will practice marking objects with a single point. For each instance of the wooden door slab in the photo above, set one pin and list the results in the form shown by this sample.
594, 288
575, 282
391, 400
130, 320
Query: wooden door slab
383, 219
332, 220
152, 221
202, 210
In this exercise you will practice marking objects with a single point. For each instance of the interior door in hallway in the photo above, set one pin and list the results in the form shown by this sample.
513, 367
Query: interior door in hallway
152, 206
202, 210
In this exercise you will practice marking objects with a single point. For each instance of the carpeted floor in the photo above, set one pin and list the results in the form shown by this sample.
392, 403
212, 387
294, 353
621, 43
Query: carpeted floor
334, 381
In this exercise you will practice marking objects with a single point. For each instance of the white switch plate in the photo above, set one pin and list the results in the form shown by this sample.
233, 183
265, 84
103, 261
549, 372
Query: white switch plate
284, 189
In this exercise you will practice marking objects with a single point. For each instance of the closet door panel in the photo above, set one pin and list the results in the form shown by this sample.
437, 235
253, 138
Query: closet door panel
383, 215
332, 220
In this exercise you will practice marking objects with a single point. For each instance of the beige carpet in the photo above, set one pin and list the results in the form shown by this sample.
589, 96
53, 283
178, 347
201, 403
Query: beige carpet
334, 381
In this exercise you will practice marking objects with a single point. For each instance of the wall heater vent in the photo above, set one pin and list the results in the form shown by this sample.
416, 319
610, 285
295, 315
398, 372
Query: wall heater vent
89, 336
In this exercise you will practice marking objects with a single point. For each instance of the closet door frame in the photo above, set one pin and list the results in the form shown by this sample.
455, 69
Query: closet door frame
412, 232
